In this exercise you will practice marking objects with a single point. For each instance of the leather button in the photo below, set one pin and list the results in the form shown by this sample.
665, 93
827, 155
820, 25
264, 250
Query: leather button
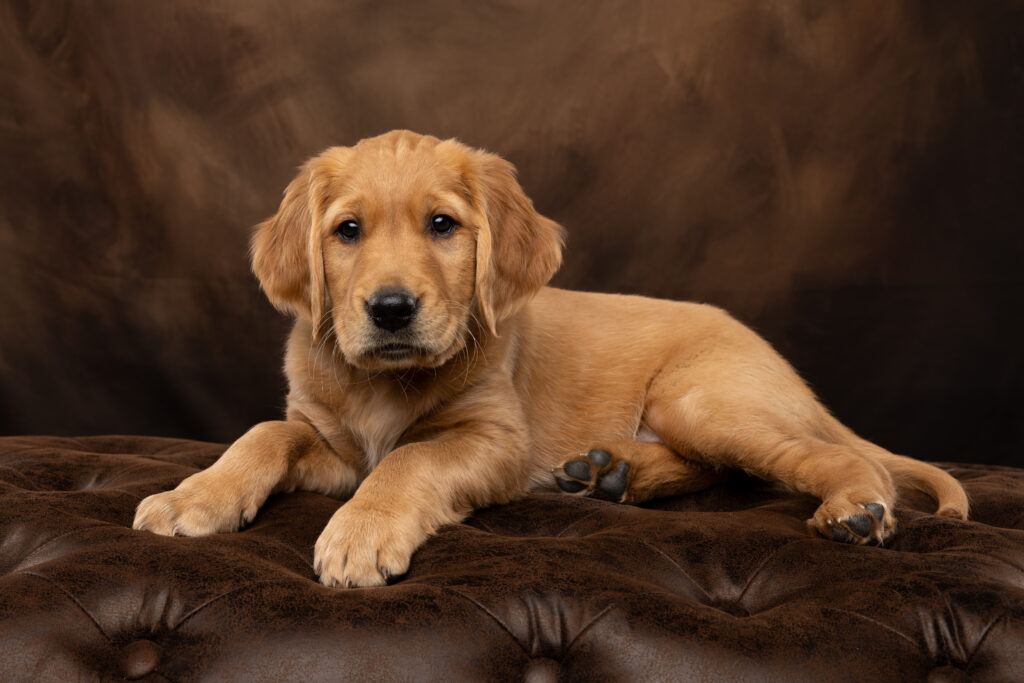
139, 658
948, 674
542, 670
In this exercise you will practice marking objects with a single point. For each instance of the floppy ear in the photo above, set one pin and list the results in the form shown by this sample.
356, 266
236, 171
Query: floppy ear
286, 251
517, 249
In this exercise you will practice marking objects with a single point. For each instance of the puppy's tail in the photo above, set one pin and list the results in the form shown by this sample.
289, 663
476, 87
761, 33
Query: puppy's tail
947, 491
913, 474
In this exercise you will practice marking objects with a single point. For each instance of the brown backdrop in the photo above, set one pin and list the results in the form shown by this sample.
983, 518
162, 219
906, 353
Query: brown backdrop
844, 176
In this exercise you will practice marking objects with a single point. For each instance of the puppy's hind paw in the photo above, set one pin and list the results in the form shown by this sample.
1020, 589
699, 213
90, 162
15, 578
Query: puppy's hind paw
862, 524
598, 474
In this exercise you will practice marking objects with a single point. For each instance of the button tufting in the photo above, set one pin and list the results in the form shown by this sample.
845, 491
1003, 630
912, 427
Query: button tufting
731, 608
514, 598
948, 674
541, 670
139, 658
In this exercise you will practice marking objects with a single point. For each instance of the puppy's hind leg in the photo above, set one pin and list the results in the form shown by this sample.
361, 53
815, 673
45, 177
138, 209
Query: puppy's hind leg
629, 471
784, 438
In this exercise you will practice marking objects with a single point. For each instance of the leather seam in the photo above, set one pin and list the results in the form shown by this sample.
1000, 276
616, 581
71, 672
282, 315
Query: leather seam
74, 600
679, 567
35, 551
195, 610
491, 614
600, 615
901, 634
984, 636
575, 522
760, 568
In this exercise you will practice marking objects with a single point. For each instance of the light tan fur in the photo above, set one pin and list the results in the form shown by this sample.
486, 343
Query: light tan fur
504, 382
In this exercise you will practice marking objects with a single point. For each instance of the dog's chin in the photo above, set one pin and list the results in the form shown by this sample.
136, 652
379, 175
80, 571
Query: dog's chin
397, 356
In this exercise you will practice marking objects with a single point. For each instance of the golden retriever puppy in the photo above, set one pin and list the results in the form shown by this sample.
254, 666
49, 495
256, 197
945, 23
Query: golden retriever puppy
431, 372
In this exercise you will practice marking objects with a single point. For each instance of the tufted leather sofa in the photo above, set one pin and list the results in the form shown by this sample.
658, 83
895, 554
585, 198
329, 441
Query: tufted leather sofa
720, 585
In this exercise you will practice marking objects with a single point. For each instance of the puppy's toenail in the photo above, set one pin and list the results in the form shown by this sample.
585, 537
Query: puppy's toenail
578, 469
568, 485
599, 457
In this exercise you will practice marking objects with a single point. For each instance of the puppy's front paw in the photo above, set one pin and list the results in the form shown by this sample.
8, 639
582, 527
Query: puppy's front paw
363, 546
193, 511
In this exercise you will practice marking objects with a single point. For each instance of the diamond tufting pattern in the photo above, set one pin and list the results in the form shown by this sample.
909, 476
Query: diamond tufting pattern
721, 585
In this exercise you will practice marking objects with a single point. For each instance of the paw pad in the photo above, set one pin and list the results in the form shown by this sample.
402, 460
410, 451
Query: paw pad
865, 528
595, 475
568, 485
599, 457
613, 483
579, 469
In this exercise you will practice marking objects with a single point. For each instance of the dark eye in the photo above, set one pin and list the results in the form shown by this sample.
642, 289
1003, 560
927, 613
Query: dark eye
442, 225
348, 231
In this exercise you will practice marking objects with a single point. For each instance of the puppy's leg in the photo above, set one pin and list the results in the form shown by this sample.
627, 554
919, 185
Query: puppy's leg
629, 471
468, 457
270, 457
786, 437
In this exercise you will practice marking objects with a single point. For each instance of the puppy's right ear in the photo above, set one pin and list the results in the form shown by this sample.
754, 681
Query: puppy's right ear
286, 249
279, 249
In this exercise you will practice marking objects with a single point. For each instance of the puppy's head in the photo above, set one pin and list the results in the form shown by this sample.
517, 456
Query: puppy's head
395, 244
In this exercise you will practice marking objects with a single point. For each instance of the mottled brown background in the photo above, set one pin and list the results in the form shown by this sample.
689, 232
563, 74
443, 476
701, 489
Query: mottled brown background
843, 175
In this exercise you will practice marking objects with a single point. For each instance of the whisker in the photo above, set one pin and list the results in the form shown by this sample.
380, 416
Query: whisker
469, 318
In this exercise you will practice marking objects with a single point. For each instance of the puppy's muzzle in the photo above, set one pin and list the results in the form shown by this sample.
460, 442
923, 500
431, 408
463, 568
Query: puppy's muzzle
392, 309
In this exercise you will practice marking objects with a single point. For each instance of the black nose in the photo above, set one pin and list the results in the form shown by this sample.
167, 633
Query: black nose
391, 309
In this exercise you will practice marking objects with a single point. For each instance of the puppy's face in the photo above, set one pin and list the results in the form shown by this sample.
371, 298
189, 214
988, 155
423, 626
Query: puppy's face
395, 244
398, 240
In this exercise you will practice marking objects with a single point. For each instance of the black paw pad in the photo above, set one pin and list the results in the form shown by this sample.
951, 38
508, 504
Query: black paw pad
877, 510
578, 469
599, 457
568, 485
860, 525
614, 483
841, 535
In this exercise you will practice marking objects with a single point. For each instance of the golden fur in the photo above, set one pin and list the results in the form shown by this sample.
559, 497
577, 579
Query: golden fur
500, 384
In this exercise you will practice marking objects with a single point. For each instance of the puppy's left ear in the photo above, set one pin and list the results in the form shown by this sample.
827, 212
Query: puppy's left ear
517, 250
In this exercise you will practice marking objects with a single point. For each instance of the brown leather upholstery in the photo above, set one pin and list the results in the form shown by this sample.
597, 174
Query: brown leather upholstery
721, 585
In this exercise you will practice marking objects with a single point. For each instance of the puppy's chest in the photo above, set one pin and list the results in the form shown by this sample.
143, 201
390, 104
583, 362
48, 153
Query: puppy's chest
377, 421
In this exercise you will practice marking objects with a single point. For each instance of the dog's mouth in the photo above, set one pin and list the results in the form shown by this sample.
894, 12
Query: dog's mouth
408, 350
396, 351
